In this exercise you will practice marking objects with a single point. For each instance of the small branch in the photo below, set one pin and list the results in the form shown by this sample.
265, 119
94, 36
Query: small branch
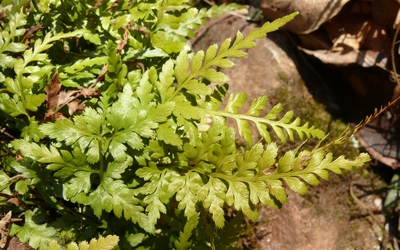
397, 88
385, 239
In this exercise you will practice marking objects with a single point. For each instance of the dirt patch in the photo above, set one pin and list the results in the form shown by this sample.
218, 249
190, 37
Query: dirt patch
325, 218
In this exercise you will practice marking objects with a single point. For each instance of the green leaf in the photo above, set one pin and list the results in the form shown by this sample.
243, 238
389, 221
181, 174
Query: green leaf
181, 67
213, 76
167, 42
235, 102
39, 153
197, 61
32, 102
22, 186
296, 185
278, 193
32, 132
247, 165
184, 236
212, 194
267, 160
285, 163
12, 107
165, 84
6, 61
158, 192
5, 182
196, 87
244, 130
107, 243
190, 185
238, 195
80, 183
168, 134
113, 195
184, 109
36, 235
257, 105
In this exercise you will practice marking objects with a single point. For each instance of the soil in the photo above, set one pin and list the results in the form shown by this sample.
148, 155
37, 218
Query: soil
328, 217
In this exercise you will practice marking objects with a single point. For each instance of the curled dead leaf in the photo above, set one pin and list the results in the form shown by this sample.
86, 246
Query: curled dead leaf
30, 32
52, 91
16, 244
366, 58
75, 106
5, 229
123, 42
313, 13
15, 201
89, 92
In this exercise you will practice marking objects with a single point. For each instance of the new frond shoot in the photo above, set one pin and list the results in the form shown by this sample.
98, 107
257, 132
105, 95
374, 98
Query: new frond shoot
116, 133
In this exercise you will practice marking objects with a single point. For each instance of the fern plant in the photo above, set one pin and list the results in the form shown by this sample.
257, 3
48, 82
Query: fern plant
105, 131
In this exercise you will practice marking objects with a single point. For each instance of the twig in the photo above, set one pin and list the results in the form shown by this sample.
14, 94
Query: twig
385, 239
396, 90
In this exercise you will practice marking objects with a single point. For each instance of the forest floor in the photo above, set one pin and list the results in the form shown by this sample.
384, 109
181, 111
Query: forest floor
330, 216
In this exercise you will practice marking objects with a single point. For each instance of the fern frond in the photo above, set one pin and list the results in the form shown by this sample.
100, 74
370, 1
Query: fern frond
286, 123
76, 70
184, 236
188, 77
104, 243
202, 63
224, 176
376, 113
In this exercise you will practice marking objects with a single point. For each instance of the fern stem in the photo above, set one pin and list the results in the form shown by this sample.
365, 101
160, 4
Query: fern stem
248, 179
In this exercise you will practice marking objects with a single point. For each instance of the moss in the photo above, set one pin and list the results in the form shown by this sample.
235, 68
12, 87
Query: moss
293, 95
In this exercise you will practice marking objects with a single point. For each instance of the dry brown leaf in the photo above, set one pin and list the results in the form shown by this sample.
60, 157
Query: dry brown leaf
388, 161
123, 42
59, 116
5, 229
358, 32
16, 244
31, 32
15, 201
63, 98
397, 21
313, 13
365, 59
89, 92
66, 97
57, 100
52, 97
75, 106
53, 116
52, 91
103, 72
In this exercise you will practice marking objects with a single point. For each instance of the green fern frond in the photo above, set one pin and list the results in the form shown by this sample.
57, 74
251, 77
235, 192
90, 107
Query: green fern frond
184, 237
286, 123
202, 63
105, 243
224, 176
70, 74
